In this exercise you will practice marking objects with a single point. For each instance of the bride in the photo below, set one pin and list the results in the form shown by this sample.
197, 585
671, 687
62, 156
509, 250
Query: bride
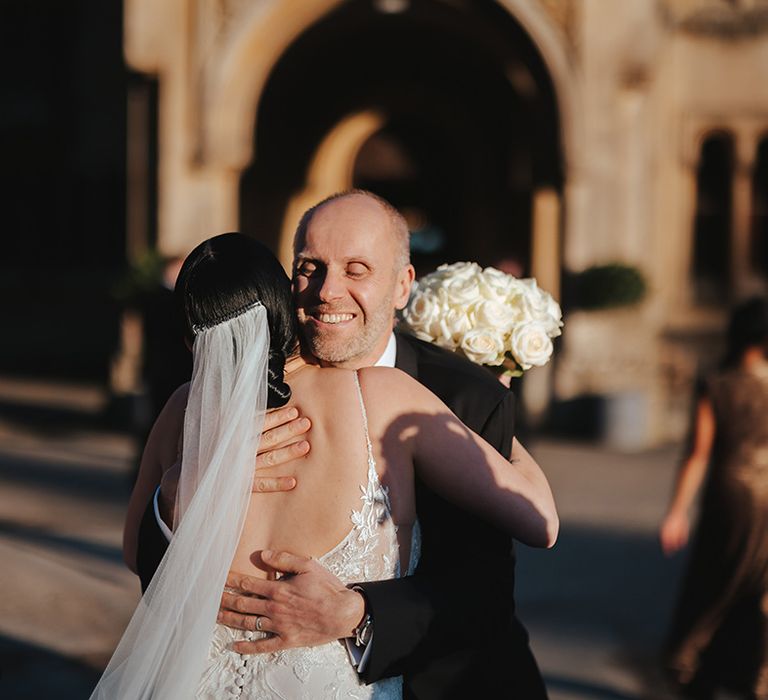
353, 509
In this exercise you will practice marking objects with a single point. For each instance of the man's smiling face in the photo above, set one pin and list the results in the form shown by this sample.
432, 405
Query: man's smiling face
346, 281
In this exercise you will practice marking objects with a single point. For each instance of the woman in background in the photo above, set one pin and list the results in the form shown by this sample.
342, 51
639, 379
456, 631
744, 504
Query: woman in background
719, 635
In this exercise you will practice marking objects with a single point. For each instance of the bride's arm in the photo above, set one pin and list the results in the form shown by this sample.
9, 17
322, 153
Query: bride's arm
159, 454
463, 468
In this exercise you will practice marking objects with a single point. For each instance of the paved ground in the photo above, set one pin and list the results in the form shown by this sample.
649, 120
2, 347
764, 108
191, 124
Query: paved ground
596, 605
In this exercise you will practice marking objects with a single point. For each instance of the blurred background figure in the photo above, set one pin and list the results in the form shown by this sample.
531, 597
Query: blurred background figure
167, 360
719, 636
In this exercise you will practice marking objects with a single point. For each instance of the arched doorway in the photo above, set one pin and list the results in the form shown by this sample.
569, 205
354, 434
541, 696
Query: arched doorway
469, 126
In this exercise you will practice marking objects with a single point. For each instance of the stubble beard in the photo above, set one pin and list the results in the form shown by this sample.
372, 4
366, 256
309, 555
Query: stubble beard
325, 346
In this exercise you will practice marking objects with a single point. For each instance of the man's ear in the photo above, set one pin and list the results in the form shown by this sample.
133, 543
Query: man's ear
403, 286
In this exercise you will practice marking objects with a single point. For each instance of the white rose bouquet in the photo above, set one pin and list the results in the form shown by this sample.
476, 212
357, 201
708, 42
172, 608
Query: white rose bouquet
488, 316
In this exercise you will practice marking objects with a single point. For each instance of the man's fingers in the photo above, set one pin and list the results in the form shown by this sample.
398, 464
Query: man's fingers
279, 416
270, 484
249, 623
279, 434
243, 603
260, 646
237, 581
282, 455
251, 584
285, 561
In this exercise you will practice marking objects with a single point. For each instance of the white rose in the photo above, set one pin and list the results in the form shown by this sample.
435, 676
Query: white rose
502, 283
543, 308
554, 320
495, 287
422, 312
455, 323
530, 344
497, 279
483, 346
540, 306
459, 270
462, 291
496, 315
533, 298
430, 282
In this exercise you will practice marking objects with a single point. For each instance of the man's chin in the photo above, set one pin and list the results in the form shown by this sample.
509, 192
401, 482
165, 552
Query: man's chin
331, 355
332, 352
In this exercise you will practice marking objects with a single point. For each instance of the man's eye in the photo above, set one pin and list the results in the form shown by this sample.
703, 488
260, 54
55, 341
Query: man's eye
307, 269
356, 269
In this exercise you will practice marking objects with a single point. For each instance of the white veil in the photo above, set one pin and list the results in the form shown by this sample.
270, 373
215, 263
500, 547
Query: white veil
163, 652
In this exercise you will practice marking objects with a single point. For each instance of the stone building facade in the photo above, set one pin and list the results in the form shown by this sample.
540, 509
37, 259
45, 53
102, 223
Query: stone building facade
557, 134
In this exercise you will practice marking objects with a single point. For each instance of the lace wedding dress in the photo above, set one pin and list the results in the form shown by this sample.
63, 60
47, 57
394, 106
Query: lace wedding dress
369, 552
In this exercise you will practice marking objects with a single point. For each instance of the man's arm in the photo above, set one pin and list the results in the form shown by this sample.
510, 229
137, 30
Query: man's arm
412, 616
420, 617
281, 441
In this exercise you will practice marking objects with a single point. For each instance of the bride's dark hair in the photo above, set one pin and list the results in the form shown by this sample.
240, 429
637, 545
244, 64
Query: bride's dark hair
225, 275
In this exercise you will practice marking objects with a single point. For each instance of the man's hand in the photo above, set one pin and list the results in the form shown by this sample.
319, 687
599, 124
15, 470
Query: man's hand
279, 445
308, 606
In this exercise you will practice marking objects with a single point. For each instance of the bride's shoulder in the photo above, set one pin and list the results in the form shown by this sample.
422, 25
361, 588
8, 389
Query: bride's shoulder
173, 411
393, 385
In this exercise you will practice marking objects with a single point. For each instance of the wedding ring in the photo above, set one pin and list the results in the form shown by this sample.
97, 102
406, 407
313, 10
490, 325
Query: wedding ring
258, 623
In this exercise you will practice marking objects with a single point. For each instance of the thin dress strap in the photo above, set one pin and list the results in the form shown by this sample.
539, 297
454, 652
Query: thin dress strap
373, 477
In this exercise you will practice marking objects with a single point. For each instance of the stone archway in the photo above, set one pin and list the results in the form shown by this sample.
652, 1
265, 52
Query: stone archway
237, 78
241, 71
330, 171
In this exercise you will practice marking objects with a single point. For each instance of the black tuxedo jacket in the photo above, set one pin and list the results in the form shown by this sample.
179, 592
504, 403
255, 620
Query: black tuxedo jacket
450, 629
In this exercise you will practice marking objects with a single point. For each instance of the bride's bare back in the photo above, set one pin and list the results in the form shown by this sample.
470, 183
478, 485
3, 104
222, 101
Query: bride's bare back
408, 426
314, 517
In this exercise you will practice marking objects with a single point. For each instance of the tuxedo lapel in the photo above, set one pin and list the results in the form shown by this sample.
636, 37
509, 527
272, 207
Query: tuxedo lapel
406, 358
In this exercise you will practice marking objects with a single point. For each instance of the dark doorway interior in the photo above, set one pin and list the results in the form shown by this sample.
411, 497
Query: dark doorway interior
760, 210
467, 101
712, 223
62, 136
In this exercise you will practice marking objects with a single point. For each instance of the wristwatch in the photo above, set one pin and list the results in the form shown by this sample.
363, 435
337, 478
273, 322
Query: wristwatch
364, 631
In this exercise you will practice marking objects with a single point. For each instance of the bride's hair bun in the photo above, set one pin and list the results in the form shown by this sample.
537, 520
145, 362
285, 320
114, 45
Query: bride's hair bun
225, 275
279, 392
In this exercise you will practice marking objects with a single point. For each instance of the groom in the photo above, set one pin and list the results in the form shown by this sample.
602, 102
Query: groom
450, 629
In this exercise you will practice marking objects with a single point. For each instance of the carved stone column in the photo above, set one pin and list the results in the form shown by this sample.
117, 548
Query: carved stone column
545, 267
545, 256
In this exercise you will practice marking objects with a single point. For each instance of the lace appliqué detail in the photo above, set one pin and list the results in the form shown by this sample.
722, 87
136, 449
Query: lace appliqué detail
369, 552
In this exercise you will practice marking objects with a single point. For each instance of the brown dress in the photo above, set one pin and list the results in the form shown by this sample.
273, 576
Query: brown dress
719, 636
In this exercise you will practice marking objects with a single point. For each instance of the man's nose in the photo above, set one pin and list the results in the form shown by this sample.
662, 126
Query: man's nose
332, 287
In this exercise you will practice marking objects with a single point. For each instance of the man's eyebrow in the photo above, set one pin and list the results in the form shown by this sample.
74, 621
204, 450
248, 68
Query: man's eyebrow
306, 257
